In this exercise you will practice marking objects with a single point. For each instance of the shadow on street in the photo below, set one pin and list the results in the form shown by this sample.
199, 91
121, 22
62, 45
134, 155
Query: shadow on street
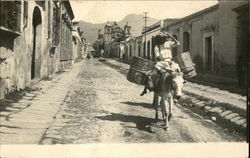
142, 123
145, 105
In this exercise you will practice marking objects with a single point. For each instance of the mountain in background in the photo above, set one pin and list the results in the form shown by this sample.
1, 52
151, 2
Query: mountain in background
136, 22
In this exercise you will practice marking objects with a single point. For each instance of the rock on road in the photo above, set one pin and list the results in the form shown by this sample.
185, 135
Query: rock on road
102, 106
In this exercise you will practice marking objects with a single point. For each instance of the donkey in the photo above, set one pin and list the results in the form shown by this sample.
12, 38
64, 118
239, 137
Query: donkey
170, 89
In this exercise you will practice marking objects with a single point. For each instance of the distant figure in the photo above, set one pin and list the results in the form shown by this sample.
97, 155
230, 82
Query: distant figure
102, 53
88, 56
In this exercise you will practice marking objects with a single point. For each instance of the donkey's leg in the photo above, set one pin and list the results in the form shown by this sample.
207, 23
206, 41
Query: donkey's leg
171, 104
155, 105
155, 99
144, 91
166, 112
163, 107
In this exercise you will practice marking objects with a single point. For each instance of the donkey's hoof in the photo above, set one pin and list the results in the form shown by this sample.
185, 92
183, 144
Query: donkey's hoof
166, 128
170, 116
176, 101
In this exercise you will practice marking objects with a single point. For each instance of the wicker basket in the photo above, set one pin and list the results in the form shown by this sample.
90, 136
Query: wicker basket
190, 74
186, 64
136, 76
138, 69
184, 60
142, 64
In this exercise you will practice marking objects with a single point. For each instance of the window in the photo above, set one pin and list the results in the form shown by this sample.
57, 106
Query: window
186, 41
10, 14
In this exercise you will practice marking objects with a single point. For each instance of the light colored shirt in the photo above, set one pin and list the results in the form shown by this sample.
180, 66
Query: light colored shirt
165, 50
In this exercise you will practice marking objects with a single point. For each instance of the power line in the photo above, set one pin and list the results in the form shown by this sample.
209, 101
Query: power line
145, 19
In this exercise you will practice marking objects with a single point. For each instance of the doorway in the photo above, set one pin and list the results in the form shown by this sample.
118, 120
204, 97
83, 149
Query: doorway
208, 54
139, 51
242, 42
152, 48
144, 49
37, 42
148, 50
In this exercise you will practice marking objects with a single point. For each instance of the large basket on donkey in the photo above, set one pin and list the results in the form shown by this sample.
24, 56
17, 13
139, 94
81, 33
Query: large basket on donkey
186, 64
138, 69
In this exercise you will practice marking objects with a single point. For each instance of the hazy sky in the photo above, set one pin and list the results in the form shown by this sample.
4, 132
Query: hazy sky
103, 11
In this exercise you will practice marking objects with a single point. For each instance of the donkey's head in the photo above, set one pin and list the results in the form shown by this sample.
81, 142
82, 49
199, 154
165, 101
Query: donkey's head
176, 83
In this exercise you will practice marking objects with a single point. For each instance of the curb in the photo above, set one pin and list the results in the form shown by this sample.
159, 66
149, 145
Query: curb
224, 114
227, 106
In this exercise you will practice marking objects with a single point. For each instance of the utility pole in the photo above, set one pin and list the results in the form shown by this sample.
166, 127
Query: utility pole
145, 21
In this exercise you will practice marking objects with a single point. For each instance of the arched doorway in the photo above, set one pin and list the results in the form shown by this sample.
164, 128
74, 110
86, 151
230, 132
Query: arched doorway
130, 51
139, 51
152, 47
144, 49
148, 49
37, 43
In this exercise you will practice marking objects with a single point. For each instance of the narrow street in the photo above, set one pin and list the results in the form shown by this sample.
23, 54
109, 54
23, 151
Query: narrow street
71, 75
103, 107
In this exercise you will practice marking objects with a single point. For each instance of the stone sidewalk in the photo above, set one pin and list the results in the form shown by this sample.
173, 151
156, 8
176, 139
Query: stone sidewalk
25, 120
221, 106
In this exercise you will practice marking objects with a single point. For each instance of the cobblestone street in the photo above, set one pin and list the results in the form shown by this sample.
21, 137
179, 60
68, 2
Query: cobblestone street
102, 106
83, 78
98, 105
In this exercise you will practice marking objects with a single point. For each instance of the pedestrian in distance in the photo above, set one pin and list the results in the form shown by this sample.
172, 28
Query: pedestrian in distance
88, 56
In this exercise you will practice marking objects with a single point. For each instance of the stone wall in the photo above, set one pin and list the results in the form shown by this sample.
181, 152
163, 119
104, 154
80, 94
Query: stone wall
17, 49
15, 69
228, 36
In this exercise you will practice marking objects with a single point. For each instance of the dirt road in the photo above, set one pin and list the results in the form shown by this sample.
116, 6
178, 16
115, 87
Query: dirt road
102, 106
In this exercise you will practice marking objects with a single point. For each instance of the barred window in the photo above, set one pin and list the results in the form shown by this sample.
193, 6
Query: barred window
10, 14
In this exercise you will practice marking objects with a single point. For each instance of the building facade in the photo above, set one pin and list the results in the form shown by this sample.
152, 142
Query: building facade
114, 38
148, 40
233, 39
217, 44
78, 43
35, 41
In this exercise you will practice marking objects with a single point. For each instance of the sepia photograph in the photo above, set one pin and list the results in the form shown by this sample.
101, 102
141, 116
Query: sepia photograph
102, 78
